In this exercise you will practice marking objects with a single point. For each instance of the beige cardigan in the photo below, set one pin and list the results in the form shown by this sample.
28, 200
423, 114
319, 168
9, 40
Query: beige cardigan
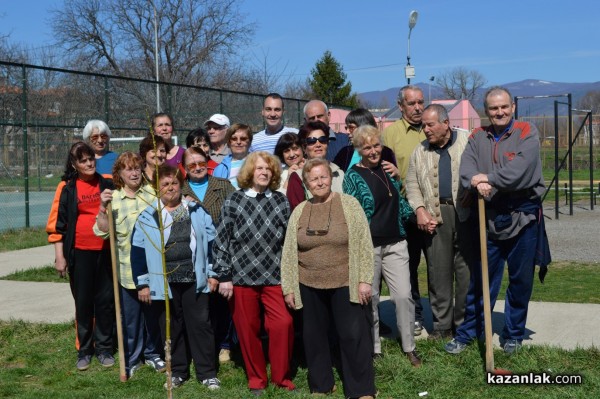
360, 249
422, 189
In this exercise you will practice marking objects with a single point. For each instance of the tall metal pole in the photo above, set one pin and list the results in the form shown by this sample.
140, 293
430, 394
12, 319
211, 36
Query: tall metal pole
25, 143
570, 129
591, 142
156, 59
556, 170
409, 72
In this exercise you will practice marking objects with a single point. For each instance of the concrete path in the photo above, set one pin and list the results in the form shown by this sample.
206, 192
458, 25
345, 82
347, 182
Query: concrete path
564, 325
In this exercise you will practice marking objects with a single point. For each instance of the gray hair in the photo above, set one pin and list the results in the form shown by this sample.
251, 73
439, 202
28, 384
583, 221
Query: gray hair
496, 90
407, 87
95, 124
315, 101
313, 163
440, 110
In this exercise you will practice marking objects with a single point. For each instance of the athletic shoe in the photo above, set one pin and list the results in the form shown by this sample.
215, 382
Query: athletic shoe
157, 364
511, 346
212, 383
133, 369
106, 359
224, 356
83, 362
176, 382
418, 328
455, 347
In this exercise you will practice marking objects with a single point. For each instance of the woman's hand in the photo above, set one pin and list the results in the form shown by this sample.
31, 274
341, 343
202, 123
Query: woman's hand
390, 168
425, 222
213, 283
226, 289
364, 293
290, 301
105, 197
60, 264
144, 295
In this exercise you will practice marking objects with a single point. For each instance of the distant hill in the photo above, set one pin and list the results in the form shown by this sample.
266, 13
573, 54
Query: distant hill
524, 88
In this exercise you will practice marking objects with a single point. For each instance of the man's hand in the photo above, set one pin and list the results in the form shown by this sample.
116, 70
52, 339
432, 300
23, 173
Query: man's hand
425, 222
478, 179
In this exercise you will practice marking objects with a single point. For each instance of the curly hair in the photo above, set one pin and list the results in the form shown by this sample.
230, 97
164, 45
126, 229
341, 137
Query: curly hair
126, 159
245, 177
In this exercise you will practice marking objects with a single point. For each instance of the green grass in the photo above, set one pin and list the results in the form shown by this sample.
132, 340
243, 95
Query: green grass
11, 240
38, 361
40, 274
569, 282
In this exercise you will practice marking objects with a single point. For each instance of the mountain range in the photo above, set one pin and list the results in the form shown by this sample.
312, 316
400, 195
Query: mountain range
524, 88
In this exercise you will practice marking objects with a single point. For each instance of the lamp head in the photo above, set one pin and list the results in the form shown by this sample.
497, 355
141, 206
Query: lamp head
412, 19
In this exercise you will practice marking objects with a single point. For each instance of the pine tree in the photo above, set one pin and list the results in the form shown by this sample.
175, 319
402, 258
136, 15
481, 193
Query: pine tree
328, 82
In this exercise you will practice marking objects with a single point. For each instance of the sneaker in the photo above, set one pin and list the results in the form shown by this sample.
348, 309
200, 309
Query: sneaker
133, 369
257, 391
176, 382
157, 364
512, 346
224, 356
212, 383
106, 359
418, 328
455, 347
83, 362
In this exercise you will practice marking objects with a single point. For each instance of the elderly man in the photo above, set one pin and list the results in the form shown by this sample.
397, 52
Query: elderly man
403, 136
272, 113
217, 126
96, 134
434, 192
502, 163
316, 110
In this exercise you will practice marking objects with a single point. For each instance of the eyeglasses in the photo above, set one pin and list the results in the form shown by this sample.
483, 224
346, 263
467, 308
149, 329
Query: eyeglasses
243, 139
97, 137
351, 127
196, 165
318, 232
320, 139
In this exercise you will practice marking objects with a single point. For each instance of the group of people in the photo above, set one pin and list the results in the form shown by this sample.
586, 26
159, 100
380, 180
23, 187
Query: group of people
240, 231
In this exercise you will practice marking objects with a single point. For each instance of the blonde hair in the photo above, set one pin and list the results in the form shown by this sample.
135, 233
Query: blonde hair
245, 177
363, 134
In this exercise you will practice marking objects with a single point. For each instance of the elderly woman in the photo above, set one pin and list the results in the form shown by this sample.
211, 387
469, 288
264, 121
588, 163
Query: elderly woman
162, 125
187, 232
239, 138
349, 156
210, 192
289, 151
97, 135
153, 150
327, 270
200, 138
247, 255
85, 257
379, 195
130, 197
315, 138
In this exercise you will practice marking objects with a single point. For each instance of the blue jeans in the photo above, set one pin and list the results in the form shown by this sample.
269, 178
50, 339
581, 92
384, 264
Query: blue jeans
519, 253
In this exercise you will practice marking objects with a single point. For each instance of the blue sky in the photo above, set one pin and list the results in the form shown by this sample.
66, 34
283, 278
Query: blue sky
506, 41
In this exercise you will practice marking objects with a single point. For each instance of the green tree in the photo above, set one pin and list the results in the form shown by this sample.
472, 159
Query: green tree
328, 82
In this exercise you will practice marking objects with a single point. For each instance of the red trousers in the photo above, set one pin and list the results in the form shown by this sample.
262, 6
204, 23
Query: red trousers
245, 311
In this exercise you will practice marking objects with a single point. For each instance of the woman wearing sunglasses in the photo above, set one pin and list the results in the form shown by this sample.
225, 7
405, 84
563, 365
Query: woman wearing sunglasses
327, 270
379, 195
239, 138
315, 139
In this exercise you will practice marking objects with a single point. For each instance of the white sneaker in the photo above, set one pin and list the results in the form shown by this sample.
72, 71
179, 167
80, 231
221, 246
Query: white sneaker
212, 383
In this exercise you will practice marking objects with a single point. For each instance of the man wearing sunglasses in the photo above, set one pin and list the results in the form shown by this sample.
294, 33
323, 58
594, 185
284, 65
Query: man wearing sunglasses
272, 113
403, 136
316, 110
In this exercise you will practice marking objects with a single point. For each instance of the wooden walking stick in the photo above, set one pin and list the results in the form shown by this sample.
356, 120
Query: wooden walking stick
113, 258
485, 281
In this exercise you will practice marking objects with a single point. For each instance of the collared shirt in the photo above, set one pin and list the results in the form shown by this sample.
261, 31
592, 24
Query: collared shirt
402, 138
497, 136
125, 213
445, 166
337, 141
250, 192
219, 156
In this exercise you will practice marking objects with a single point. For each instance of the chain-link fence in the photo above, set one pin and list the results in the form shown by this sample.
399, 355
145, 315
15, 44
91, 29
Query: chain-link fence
43, 111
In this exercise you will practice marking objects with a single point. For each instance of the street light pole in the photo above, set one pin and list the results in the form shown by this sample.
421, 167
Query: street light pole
431, 79
409, 71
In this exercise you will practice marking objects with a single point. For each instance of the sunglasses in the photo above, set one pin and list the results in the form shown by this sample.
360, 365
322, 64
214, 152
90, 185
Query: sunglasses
320, 139
194, 165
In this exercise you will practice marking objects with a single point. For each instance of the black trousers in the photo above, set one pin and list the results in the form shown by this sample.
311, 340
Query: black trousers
353, 324
415, 241
91, 283
191, 332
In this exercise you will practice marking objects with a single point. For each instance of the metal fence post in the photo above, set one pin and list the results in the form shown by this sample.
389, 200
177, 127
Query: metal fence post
25, 146
106, 113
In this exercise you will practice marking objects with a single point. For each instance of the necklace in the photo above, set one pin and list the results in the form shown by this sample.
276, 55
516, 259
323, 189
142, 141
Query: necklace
384, 181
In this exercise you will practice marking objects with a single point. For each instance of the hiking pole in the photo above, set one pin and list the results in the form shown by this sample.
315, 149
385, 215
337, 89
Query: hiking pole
485, 281
113, 258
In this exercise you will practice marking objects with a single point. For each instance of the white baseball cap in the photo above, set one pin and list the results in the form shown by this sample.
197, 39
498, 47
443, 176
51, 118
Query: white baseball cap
219, 119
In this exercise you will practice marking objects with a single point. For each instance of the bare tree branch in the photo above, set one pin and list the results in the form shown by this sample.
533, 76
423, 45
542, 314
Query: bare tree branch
461, 83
